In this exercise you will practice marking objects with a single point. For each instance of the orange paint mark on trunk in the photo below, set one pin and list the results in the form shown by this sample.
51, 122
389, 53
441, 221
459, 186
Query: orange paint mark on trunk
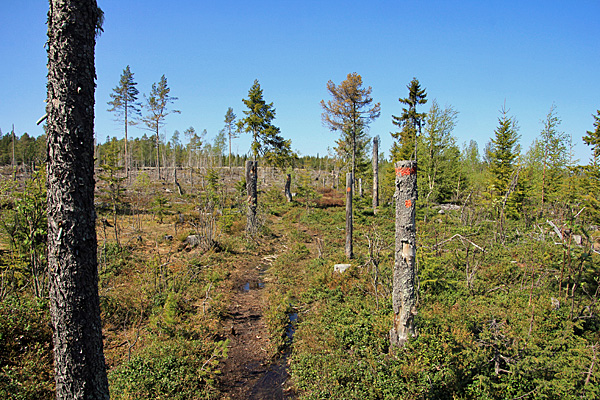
405, 171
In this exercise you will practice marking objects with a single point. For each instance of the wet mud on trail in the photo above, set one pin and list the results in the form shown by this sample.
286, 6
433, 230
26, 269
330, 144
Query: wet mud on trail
252, 369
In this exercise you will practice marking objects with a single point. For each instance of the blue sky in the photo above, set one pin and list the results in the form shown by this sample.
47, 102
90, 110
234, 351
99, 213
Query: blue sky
473, 55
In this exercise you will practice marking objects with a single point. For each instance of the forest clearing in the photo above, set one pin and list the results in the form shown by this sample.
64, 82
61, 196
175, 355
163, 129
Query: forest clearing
504, 310
171, 265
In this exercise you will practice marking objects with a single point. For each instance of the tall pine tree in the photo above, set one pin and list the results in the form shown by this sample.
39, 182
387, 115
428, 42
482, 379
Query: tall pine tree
266, 138
79, 365
232, 132
125, 106
157, 110
350, 111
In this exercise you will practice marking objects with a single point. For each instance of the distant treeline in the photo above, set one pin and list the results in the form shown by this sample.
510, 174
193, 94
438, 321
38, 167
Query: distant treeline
30, 152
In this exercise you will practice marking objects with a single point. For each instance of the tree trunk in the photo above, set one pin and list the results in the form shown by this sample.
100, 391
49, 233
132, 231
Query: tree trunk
80, 370
157, 151
288, 185
353, 155
14, 164
126, 149
543, 182
251, 188
375, 174
229, 157
404, 296
349, 252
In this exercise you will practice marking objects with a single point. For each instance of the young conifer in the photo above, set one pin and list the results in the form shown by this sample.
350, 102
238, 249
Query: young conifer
410, 123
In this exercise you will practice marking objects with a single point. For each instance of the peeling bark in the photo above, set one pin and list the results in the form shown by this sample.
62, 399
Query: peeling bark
404, 294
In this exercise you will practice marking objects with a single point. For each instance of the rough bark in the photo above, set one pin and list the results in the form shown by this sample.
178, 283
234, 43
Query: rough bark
251, 188
349, 226
288, 188
375, 174
404, 294
80, 370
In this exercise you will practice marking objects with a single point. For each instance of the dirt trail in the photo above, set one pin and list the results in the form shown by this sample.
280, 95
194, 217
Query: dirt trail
250, 371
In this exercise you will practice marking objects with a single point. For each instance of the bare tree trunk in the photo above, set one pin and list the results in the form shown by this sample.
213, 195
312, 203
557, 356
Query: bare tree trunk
157, 151
375, 174
179, 188
126, 144
229, 157
14, 164
404, 294
349, 252
252, 189
288, 190
80, 370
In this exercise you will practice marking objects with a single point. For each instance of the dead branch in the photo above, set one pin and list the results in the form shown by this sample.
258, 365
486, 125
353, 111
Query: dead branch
462, 238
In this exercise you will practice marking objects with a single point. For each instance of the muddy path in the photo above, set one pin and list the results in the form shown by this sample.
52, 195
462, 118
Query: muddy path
253, 368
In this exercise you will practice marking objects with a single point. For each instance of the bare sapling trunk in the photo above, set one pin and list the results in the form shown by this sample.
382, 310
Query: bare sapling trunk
288, 188
79, 365
349, 250
252, 190
375, 175
404, 293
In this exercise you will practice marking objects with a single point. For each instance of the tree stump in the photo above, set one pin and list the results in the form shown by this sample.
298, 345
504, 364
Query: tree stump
349, 252
288, 185
375, 174
251, 188
404, 296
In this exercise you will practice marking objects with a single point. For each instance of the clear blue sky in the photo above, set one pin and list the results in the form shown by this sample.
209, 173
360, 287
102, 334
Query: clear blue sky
473, 55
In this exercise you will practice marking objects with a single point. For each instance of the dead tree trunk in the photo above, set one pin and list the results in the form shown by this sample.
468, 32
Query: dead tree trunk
179, 188
251, 188
14, 164
157, 138
349, 252
288, 188
404, 295
80, 370
375, 174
